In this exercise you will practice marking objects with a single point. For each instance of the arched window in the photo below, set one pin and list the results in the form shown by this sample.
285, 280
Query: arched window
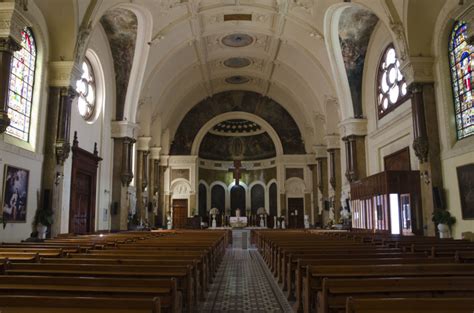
461, 60
392, 88
86, 89
20, 88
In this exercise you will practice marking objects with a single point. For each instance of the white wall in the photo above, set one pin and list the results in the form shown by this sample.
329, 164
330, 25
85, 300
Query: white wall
98, 130
395, 130
30, 156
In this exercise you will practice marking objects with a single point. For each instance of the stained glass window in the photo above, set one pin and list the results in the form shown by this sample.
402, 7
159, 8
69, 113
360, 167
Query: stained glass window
392, 88
85, 87
20, 89
461, 60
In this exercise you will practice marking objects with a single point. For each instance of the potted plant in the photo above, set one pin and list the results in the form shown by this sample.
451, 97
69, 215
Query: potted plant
43, 219
444, 222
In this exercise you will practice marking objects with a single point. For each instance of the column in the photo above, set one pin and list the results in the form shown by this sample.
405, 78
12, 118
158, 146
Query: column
122, 174
354, 131
335, 178
11, 25
141, 177
57, 135
314, 214
427, 148
322, 171
154, 217
418, 72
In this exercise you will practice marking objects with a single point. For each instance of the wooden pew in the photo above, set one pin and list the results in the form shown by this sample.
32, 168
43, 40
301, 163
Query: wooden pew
410, 305
165, 289
333, 296
182, 274
314, 276
51, 304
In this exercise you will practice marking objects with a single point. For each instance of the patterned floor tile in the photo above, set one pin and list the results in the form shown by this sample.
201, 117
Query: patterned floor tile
244, 284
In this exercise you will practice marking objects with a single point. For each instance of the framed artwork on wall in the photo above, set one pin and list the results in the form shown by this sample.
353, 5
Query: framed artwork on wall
15, 194
466, 190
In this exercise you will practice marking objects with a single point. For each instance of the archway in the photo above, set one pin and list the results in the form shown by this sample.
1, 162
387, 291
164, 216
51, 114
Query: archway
237, 200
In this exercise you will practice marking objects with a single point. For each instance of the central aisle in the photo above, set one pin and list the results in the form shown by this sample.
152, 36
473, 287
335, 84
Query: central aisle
244, 284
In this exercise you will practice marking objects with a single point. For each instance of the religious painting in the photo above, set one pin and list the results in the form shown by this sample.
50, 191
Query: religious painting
15, 194
466, 190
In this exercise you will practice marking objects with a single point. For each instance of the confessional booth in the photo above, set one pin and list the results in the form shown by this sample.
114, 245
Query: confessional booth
388, 202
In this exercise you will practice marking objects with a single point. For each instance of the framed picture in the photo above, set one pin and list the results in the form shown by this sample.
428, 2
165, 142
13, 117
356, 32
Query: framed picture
466, 190
15, 194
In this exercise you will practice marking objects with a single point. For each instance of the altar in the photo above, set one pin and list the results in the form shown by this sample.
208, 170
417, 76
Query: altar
238, 221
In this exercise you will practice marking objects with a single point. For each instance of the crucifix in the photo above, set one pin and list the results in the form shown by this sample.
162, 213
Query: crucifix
237, 170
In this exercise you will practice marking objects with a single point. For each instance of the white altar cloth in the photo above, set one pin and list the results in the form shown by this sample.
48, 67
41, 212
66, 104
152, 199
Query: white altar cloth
238, 221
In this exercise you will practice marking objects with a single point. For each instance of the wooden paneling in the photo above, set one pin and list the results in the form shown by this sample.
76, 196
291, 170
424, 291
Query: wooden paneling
398, 161
180, 213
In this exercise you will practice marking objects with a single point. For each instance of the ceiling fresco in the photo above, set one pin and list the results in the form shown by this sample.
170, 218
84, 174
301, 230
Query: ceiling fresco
238, 101
355, 28
228, 148
120, 25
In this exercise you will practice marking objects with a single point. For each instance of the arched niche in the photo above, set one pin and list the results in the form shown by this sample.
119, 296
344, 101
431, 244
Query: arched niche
257, 198
237, 200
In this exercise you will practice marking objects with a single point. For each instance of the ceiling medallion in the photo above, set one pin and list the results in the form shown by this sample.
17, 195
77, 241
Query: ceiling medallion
237, 62
237, 40
237, 79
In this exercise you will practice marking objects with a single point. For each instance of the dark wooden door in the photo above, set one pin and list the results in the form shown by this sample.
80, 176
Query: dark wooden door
295, 220
81, 209
83, 190
180, 212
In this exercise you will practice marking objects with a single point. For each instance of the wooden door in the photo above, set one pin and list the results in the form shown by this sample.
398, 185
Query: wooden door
180, 212
83, 189
82, 211
295, 220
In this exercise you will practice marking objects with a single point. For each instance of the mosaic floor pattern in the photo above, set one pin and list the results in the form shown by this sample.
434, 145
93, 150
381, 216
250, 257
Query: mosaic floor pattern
244, 284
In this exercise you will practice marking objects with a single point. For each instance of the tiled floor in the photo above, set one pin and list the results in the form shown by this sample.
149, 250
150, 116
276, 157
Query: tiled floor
244, 285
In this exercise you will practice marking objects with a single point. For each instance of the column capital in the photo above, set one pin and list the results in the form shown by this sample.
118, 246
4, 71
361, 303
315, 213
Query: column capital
418, 69
353, 126
12, 21
332, 141
123, 129
320, 151
63, 73
155, 153
143, 143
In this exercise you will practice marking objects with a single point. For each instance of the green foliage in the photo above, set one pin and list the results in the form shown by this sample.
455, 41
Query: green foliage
43, 217
443, 217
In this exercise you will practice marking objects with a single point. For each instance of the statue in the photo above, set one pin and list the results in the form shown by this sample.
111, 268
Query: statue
306, 221
237, 213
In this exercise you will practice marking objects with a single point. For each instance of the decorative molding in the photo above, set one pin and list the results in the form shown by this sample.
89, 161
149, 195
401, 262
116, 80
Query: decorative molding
60, 73
332, 141
421, 147
121, 129
9, 45
4, 121
155, 153
353, 126
320, 151
295, 187
418, 69
62, 151
181, 189
12, 21
143, 143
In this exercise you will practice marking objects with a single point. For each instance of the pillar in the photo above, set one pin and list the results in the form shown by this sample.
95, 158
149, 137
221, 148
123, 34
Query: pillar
335, 178
141, 181
154, 217
427, 148
418, 72
63, 76
354, 131
322, 171
122, 173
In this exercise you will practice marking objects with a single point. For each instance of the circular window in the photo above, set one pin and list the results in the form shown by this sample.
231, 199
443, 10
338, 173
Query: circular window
85, 88
392, 88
